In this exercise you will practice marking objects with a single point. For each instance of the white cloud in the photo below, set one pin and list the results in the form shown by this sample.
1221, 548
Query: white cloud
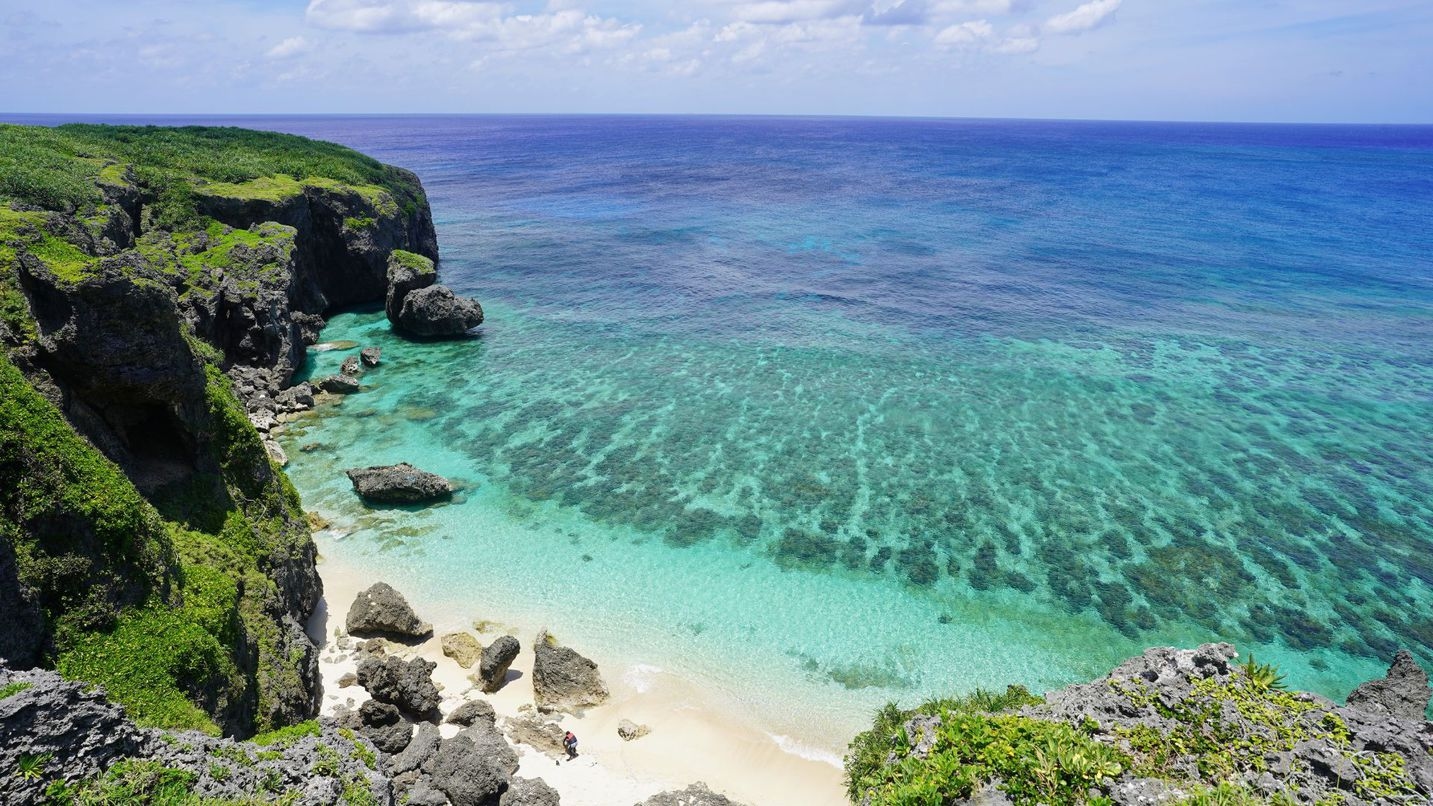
1018, 44
289, 47
1087, 17
966, 33
786, 11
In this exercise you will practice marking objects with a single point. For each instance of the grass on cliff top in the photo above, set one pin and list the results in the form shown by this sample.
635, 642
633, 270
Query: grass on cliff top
66, 168
412, 260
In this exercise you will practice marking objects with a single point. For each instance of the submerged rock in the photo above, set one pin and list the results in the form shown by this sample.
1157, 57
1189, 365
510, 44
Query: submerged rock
496, 660
563, 680
339, 384
1403, 692
436, 311
399, 484
380, 610
349, 366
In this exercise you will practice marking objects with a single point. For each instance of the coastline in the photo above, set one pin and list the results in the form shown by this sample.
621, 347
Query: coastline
695, 737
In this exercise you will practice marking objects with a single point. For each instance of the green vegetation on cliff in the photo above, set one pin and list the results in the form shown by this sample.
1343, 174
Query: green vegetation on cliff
147, 541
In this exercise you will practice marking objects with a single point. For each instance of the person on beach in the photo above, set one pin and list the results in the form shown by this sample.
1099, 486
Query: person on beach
569, 742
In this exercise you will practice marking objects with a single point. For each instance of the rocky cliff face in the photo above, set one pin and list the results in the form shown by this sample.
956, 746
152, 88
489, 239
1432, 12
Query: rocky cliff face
161, 310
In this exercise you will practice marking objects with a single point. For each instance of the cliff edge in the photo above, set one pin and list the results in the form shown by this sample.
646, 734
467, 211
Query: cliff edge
158, 288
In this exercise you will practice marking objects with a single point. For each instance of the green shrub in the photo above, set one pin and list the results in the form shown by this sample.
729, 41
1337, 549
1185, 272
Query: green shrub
286, 736
11, 689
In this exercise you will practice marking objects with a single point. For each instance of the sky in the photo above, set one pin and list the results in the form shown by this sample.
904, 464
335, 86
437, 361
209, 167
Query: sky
1365, 61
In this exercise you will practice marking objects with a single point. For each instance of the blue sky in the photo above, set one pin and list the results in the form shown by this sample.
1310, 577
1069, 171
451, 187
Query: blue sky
1274, 60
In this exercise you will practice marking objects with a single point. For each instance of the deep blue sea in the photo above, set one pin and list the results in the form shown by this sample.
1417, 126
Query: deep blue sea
826, 412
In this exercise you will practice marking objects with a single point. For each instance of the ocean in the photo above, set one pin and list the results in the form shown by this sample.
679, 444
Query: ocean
821, 413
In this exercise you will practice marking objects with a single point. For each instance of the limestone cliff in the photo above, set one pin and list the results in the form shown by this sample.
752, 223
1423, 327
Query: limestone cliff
153, 283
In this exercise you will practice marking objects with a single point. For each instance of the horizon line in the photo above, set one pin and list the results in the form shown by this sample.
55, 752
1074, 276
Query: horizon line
726, 115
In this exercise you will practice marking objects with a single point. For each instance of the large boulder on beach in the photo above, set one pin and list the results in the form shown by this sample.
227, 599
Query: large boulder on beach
695, 795
474, 767
496, 660
399, 484
529, 792
471, 713
436, 312
382, 611
405, 684
563, 680
462, 648
543, 733
382, 724
1402, 693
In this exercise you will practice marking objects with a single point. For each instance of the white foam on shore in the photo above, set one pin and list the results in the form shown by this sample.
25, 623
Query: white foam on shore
641, 676
806, 751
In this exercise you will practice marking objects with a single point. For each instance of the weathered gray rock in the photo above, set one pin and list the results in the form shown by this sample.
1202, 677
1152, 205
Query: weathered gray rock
695, 795
276, 453
436, 312
424, 794
370, 356
350, 366
420, 749
563, 680
399, 484
298, 397
540, 732
471, 713
339, 384
497, 659
463, 648
529, 792
406, 684
382, 724
631, 731
474, 767
80, 731
381, 610
1403, 692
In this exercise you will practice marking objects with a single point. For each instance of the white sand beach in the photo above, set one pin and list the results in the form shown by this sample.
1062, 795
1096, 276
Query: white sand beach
693, 738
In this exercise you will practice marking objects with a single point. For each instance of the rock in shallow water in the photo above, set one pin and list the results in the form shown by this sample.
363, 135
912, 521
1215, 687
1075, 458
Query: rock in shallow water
381, 610
370, 356
399, 484
436, 311
339, 384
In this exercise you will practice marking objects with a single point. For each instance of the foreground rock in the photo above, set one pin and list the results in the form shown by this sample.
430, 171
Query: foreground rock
470, 713
60, 731
1403, 692
496, 660
436, 312
405, 684
695, 795
1187, 720
382, 611
563, 680
529, 792
474, 767
399, 484
382, 724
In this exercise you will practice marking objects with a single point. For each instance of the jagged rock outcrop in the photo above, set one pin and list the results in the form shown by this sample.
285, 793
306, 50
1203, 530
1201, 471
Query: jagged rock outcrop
436, 312
416, 306
562, 679
406, 684
474, 767
695, 795
1190, 719
382, 724
339, 384
370, 356
382, 611
529, 792
497, 659
399, 484
1403, 692
472, 712
56, 732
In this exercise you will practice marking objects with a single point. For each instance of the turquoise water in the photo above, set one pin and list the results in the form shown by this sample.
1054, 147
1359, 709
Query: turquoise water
824, 414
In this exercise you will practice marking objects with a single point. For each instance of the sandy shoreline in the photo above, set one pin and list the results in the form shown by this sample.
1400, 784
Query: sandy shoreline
693, 737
